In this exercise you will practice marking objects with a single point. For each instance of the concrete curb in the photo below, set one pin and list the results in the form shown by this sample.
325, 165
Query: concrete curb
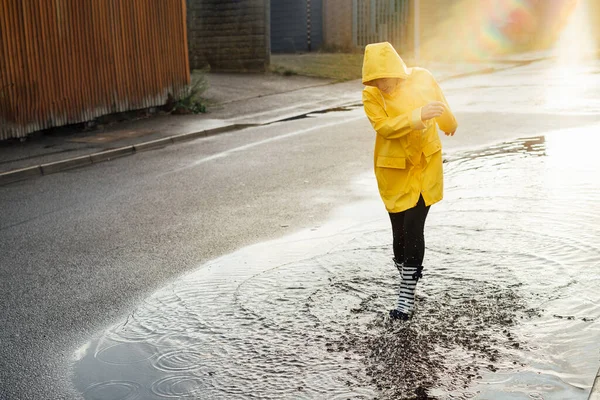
81, 161
153, 144
595, 392
62, 165
110, 154
107, 155
20, 174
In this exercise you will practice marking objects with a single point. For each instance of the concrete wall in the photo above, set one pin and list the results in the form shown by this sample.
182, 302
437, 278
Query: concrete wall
337, 24
232, 35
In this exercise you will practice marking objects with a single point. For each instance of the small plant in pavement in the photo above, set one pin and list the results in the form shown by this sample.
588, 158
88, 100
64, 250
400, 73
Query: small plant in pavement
191, 101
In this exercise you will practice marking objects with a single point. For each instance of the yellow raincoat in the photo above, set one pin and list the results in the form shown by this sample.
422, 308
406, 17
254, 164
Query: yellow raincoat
408, 151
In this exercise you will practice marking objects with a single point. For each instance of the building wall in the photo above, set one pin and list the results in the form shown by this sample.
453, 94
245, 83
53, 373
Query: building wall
64, 62
337, 24
229, 35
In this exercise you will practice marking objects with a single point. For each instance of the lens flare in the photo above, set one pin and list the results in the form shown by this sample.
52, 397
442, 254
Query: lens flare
576, 40
567, 80
479, 30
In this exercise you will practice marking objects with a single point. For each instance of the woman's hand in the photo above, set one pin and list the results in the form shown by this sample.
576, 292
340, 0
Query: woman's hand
432, 110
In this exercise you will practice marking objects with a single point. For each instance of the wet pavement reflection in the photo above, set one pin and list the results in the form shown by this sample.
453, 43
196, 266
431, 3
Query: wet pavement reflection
508, 307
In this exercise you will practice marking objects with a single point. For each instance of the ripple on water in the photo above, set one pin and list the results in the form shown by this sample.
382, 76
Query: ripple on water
461, 396
113, 390
180, 387
508, 303
126, 353
182, 360
131, 331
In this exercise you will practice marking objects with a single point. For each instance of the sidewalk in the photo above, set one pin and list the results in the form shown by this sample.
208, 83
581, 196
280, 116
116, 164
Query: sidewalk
235, 101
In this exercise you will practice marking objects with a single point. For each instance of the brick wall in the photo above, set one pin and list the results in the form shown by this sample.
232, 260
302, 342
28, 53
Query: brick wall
229, 35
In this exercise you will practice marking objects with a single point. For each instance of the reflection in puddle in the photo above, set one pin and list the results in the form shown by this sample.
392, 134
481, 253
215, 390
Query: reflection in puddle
531, 146
508, 307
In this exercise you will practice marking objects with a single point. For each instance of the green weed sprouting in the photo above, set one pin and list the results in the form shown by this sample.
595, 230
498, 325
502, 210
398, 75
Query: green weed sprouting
191, 100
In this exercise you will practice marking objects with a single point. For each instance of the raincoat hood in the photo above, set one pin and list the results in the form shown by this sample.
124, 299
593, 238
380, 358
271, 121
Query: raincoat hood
382, 61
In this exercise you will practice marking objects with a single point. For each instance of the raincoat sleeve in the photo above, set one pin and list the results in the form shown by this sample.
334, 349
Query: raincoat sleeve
393, 127
447, 121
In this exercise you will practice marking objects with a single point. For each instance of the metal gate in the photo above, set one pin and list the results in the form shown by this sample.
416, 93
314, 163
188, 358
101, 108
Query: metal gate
381, 20
296, 25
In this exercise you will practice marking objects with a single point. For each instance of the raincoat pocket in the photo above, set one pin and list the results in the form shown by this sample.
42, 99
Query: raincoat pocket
391, 174
391, 162
431, 148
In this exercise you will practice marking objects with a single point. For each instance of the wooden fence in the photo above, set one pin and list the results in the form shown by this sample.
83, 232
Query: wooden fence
70, 61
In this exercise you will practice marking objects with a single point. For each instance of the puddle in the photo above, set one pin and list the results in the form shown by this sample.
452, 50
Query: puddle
508, 307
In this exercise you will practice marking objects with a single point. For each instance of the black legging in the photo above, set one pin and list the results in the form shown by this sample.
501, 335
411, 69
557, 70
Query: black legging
407, 228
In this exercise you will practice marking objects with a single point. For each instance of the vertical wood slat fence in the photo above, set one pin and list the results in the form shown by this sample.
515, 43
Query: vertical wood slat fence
381, 20
70, 61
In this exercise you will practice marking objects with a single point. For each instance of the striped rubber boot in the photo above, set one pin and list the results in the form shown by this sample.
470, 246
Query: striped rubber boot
399, 266
406, 296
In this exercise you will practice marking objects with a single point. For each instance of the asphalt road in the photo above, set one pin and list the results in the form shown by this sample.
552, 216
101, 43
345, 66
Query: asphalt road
79, 249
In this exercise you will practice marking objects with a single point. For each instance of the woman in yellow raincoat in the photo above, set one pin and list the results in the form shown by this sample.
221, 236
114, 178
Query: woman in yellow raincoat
405, 105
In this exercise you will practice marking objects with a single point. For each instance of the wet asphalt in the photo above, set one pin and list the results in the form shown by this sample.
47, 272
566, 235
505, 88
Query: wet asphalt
80, 249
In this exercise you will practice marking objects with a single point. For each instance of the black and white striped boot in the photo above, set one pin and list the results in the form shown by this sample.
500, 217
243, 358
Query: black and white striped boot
410, 275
